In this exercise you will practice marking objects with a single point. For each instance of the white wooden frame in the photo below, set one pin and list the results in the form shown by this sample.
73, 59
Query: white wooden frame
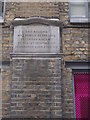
3, 13
80, 19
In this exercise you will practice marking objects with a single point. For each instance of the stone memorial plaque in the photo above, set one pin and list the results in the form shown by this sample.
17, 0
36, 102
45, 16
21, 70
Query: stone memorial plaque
36, 39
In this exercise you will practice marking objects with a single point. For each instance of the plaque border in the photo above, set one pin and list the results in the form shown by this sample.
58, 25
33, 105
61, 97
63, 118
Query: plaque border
37, 20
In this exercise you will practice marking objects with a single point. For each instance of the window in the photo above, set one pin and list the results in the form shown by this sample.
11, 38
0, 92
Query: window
79, 11
2, 10
89, 9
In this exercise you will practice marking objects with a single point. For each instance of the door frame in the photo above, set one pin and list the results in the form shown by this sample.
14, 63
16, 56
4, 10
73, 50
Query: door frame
73, 71
77, 66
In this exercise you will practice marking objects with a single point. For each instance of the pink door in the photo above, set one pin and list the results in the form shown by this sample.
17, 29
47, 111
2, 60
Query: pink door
82, 94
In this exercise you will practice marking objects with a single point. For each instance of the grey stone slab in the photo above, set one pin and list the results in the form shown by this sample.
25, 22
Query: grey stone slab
36, 38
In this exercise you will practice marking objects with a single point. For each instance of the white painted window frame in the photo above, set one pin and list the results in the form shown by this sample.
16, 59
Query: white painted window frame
79, 19
3, 12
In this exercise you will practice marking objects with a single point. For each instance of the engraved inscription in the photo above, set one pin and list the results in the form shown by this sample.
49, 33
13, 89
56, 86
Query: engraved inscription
36, 39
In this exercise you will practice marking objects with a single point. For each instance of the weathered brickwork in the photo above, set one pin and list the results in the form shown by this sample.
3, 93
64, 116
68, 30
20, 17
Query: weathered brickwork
67, 93
7, 43
74, 46
0, 42
36, 89
74, 40
6, 90
26, 10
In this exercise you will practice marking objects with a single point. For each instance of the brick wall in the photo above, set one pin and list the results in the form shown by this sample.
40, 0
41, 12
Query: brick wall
74, 45
0, 71
75, 42
7, 43
36, 88
6, 90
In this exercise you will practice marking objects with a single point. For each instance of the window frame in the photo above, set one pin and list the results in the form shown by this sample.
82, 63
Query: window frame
88, 11
3, 13
79, 19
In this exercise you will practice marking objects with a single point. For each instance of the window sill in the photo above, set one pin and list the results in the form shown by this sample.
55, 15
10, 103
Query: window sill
79, 20
1, 20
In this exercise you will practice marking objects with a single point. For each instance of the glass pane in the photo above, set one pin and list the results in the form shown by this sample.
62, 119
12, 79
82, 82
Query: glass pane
0, 8
89, 9
78, 10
